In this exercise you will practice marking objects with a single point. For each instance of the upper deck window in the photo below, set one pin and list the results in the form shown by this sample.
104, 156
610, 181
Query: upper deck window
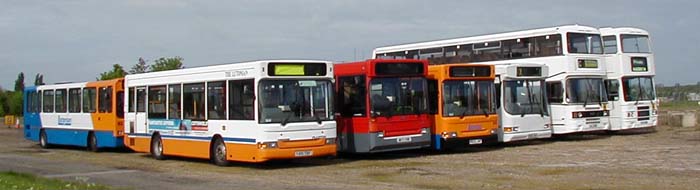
609, 44
584, 43
635, 43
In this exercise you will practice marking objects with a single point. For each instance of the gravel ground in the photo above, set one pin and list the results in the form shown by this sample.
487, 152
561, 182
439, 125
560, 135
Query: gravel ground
663, 158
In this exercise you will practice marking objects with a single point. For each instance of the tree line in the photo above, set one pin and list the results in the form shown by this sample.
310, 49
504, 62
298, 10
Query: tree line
11, 101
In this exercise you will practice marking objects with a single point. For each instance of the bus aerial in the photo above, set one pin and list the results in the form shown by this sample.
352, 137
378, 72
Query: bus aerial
463, 104
250, 112
630, 80
86, 114
574, 55
382, 105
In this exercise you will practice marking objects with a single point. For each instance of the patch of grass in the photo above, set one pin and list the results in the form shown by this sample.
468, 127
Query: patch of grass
679, 106
14, 180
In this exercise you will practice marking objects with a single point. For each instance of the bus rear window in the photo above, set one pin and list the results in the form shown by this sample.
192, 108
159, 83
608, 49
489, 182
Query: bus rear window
415, 68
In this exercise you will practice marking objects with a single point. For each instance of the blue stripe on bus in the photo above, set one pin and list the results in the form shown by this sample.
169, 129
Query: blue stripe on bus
78, 137
196, 138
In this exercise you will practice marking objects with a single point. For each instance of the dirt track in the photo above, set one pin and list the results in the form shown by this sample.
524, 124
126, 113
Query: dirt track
668, 158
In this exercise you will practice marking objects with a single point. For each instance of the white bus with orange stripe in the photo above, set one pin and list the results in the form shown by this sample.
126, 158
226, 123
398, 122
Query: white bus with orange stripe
251, 112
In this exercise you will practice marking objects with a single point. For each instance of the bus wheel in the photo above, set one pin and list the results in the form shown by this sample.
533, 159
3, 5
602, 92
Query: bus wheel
43, 142
92, 142
219, 153
157, 148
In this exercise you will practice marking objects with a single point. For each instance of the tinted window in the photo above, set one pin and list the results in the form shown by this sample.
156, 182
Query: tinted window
74, 100
241, 98
609, 44
193, 99
61, 101
216, 100
48, 101
156, 102
89, 98
174, 101
555, 92
352, 96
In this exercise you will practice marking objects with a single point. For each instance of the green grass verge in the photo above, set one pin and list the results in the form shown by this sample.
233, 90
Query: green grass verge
14, 180
679, 106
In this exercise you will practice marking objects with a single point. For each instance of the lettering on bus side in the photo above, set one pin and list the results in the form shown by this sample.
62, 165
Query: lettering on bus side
236, 73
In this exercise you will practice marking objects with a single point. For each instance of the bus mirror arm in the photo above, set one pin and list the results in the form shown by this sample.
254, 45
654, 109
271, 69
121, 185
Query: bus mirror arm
563, 72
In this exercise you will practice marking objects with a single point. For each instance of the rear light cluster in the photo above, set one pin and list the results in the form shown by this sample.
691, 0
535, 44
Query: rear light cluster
584, 114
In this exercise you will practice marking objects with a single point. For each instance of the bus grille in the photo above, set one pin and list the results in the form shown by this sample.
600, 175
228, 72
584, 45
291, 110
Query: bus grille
643, 113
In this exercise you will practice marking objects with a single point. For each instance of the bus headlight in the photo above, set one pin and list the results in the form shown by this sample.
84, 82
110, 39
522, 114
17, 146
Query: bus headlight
330, 141
446, 135
380, 135
267, 145
424, 130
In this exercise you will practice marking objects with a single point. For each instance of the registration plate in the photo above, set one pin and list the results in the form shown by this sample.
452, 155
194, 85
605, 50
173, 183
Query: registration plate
475, 141
643, 122
303, 153
532, 136
403, 139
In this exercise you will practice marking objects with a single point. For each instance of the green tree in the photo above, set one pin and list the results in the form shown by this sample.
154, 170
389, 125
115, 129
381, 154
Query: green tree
164, 64
140, 67
116, 72
15, 103
19, 83
2, 102
39, 79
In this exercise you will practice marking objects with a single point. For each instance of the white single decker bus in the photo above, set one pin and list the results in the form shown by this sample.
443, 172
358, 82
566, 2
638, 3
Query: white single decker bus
573, 53
630, 81
251, 112
523, 112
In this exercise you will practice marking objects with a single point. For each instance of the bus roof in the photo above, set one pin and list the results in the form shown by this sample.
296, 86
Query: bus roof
622, 30
218, 67
486, 37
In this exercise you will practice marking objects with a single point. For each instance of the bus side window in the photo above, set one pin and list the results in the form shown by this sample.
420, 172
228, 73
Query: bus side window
89, 100
241, 99
612, 86
48, 101
352, 96
432, 96
555, 92
498, 95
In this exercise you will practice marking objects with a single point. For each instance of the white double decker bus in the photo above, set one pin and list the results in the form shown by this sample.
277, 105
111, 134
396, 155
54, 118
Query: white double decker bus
574, 55
630, 82
251, 112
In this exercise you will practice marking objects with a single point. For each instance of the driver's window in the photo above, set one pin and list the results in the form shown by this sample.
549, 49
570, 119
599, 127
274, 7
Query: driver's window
612, 86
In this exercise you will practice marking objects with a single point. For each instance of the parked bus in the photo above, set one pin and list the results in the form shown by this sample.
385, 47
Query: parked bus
576, 92
382, 105
86, 114
250, 112
463, 104
631, 71
523, 111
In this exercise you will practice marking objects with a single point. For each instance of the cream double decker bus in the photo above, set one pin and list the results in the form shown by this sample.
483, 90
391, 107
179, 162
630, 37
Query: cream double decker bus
251, 112
630, 81
573, 54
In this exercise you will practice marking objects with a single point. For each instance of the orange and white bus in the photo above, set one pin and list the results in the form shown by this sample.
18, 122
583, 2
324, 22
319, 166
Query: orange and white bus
463, 103
250, 112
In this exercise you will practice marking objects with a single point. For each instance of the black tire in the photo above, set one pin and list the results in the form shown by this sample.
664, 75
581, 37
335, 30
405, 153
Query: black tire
43, 141
218, 155
92, 143
157, 148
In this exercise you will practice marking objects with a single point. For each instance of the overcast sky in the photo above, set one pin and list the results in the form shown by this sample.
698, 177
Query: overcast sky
76, 40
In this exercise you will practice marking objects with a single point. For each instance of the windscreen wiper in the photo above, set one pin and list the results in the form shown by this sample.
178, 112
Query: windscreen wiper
529, 97
639, 92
